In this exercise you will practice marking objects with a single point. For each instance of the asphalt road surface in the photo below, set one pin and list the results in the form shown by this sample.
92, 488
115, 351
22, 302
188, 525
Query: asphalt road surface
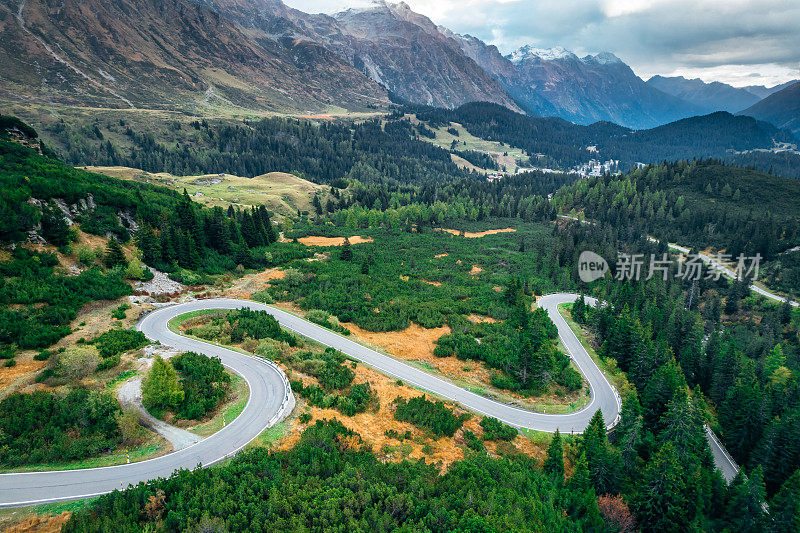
270, 394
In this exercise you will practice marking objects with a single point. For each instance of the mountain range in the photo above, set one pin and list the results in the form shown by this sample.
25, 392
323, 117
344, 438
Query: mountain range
261, 55
781, 108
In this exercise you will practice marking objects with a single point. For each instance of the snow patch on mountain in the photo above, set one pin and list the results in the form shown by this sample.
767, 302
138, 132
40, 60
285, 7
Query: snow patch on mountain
544, 54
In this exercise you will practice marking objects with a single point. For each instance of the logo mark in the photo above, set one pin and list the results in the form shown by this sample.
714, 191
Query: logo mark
591, 267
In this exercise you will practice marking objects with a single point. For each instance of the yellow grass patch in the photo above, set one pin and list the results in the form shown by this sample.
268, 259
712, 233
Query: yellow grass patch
441, 255
320, 116
416, 343
333, 241
373, 426
40, 524
480, 319
471, 235
475, 270
434, 283
22, 369
497, 289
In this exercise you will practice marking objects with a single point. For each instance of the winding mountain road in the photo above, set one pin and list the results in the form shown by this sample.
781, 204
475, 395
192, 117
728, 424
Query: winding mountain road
271, 398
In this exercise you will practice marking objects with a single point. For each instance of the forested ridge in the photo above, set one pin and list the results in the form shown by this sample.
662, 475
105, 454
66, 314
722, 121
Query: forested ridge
716, 135
368, 151
391, 148
701, 204
331, 482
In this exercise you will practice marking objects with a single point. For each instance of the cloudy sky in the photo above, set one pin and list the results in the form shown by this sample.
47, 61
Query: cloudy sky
741, 42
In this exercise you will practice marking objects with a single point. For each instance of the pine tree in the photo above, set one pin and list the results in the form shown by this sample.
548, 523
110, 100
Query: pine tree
554, 464
161, 389
346, 254
54, 227
579, 310
784, 511
581, 497
660, 503
114, 255
744, 511
148, 243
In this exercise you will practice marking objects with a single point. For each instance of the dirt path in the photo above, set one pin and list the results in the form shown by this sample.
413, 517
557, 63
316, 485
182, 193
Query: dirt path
130, 394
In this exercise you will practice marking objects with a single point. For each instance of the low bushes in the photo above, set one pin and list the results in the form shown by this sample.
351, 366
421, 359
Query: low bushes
493, 429
433, 416
44, 427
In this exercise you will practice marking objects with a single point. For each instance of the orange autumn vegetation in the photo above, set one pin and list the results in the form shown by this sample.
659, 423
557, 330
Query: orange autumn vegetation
40, 524
333, 241
372, 427
416, 343
479, 234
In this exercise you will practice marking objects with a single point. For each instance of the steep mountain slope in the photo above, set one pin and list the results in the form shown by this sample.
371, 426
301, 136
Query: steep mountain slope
591, 88
408, 54
781, 109
708, 97
164, 53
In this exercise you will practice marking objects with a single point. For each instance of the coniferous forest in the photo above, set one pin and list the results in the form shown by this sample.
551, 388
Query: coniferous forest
688, 354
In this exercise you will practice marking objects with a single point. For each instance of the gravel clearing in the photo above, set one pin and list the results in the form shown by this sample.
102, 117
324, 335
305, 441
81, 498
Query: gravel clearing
160, 284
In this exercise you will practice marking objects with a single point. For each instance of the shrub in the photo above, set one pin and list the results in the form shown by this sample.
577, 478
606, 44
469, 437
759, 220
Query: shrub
433, 416
334, 375
138, 271
263, 297
118, 341
326, 321
257, 325
493, 429
358, 399
131, 433
77, 362
293, 277
119, 312
42, 427
86, 256
570, 378
473, 442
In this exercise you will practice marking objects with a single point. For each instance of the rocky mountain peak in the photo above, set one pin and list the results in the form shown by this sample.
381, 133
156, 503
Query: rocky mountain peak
529, 52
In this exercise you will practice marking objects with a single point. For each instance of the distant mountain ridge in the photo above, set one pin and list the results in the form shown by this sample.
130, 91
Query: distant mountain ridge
762, 91
590, 89
708, 97
262, 55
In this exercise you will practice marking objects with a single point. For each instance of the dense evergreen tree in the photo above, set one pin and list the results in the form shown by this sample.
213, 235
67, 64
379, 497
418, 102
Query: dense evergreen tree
161, 389
554, 463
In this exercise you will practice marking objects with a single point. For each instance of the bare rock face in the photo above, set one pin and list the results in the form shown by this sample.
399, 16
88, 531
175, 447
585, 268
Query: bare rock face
165, 53
413, 58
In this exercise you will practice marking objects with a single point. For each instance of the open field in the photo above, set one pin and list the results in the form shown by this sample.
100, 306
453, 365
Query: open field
505, 155
282, 193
